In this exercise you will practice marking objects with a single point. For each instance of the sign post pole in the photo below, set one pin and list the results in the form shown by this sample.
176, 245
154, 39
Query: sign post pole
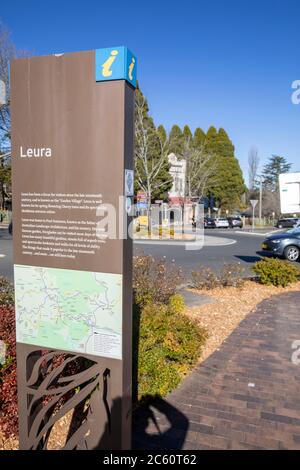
72, 157
253, 204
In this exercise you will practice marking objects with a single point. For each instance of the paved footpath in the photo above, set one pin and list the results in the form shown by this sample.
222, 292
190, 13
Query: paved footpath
245, 396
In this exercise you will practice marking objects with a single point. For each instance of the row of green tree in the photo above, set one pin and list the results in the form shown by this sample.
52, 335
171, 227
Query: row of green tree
212, 170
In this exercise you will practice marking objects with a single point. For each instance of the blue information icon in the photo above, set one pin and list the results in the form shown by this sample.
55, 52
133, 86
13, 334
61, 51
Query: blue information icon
116, 63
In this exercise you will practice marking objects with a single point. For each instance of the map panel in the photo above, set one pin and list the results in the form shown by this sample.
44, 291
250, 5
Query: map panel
77, 311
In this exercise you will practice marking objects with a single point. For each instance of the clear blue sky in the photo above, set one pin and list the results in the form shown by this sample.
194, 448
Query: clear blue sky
226, 63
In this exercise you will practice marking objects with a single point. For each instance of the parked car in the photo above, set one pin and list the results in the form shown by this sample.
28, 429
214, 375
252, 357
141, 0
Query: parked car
288, 222
209, 222
286, 245
221, 222
235, 222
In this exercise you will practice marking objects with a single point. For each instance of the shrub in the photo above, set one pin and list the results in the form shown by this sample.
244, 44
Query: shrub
205, 278
154, 281
8, 380
8, 366
232, 275
6, 292
167, 347
176, 303
276, 272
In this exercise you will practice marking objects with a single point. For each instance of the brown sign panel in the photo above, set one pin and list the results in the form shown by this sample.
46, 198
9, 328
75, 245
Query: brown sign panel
72, 147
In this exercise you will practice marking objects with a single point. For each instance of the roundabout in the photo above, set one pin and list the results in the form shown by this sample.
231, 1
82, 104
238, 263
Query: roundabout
203, 241
214, 250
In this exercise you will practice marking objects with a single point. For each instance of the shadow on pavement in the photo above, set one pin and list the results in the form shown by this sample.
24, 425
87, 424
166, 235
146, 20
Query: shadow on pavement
248, 259
168, 433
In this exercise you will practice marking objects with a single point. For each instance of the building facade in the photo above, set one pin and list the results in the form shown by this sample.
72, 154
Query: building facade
178, 172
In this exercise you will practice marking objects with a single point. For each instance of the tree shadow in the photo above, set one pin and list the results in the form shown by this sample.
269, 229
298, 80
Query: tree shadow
248, 259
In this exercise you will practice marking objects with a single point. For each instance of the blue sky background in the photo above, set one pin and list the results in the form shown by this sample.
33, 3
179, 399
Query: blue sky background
227, 63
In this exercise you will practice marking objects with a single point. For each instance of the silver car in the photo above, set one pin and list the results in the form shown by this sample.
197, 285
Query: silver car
221, 222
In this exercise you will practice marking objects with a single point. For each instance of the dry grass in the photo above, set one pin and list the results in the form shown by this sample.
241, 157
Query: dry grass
10, 443
231, 305
57, 438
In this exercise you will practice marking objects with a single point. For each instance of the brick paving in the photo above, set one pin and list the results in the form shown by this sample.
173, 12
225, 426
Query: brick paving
245, 396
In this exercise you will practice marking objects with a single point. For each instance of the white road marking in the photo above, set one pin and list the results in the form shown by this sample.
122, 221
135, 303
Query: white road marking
256, 234
208, 241
2, 256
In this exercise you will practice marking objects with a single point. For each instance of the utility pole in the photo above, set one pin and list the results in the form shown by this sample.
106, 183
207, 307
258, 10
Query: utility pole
260, 200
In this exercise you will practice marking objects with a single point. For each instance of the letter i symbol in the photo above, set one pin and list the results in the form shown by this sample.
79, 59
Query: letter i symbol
130, 68
106, 72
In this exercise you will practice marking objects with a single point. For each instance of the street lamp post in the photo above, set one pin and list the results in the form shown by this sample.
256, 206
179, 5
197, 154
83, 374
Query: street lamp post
260, 200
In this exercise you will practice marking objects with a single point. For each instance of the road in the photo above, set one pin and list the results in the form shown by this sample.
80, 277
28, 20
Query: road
6, 258
241, 247
228, 247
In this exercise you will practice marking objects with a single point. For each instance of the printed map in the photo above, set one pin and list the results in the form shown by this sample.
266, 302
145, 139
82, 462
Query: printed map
77, 311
